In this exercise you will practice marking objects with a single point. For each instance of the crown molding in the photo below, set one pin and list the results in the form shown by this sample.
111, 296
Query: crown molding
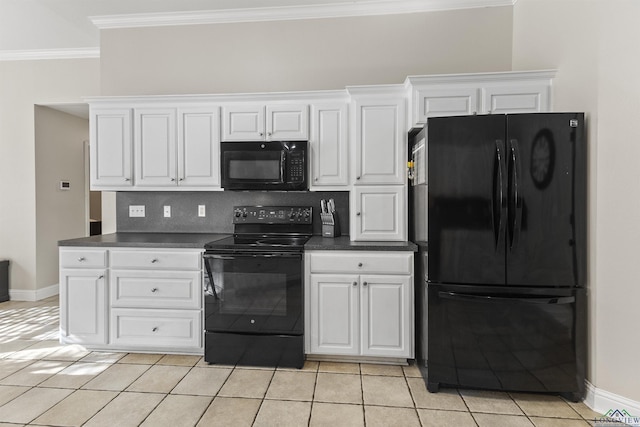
332, 10
37, 54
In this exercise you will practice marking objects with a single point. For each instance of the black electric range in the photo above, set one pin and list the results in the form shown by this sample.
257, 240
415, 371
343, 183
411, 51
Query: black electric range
254, 288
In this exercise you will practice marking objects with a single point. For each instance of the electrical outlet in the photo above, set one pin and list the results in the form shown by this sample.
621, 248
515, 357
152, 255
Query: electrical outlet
136, 211
167, 211
202, 210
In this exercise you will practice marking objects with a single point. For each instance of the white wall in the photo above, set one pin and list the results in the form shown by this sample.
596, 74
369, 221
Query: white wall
23, 84
312, 54
60, 214
593, 45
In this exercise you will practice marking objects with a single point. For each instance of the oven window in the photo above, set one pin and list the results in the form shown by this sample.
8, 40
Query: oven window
255, 169
252, 293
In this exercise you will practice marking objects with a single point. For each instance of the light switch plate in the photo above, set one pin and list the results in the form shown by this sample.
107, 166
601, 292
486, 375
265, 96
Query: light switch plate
136, 211
167, 212
202, 210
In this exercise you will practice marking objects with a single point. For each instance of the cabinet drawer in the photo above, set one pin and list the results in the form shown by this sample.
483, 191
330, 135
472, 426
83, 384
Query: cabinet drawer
83, 258
156, 328
157, 260
361, 262
155, 289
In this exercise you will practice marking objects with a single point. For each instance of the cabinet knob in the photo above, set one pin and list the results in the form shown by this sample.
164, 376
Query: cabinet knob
127, 179
82, 259
359, 264
355, 283
357, 177
315, 179
155, 329
357, 213
154, 290
173, 179
261, 133
181, 179
153, 261
364, 283
269, 133
101, 277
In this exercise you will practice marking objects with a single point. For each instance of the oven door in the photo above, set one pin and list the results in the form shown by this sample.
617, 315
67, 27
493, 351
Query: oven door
249, 292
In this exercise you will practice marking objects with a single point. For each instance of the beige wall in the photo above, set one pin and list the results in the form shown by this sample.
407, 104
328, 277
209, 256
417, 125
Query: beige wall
304, 54
60, 214
592, 44
24, 84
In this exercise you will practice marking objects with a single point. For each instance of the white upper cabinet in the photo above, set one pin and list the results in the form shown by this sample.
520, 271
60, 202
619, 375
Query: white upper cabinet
177, 148
155, 147
438, 102
525, 97
379, 213
478, 93
199, 147
328, 145
380, 140
278, 122
111, 148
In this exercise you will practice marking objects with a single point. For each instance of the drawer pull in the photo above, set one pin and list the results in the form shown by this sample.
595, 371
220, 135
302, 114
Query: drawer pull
154, 290
359, 264
153, 261
82, 259
155, 329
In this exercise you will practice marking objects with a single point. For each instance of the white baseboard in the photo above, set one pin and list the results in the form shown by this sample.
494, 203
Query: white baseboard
601, 401
37, 295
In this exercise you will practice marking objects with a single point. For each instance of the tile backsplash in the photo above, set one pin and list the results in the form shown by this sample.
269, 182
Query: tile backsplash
218, 207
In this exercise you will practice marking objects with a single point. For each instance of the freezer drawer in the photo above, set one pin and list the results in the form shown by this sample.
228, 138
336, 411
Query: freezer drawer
516, 339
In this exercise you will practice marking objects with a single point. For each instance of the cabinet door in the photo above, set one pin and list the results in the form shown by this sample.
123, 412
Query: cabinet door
199, 147
83, 306
328, 144
432, 102
379, 213
522, 98
381, 141
155, 147
387, 315
243, 123
110, 148
287, 122
334, 318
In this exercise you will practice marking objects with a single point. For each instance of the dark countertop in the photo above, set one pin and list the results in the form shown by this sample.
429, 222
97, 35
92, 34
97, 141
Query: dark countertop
343, 243
142, 240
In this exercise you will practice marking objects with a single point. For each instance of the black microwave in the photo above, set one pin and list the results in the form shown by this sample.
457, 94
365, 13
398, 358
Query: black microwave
275, 165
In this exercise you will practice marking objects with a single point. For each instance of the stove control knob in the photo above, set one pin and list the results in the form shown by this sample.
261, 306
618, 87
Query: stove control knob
244, 214
306, 214
237, 214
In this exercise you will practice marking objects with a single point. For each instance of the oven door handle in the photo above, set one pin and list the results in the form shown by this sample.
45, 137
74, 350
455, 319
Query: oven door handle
254, 255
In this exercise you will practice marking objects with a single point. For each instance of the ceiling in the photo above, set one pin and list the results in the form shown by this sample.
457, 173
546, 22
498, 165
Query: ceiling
45, 28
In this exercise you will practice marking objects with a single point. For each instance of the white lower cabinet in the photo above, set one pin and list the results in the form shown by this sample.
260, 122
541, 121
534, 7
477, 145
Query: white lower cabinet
359, 304
83, 306
151, 301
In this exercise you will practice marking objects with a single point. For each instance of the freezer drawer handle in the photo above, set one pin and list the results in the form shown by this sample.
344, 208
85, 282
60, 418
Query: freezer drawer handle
490, 298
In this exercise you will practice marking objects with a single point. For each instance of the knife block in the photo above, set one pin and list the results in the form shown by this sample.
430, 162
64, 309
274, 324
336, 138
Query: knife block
330, 224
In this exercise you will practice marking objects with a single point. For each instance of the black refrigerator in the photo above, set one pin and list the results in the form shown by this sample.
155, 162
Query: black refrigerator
506, 261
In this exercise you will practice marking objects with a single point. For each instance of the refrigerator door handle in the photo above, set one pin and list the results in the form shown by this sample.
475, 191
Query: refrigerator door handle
516, 201
491, 298
499, 205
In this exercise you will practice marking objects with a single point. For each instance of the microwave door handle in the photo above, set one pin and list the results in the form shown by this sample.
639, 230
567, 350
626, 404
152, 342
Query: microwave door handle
283, 162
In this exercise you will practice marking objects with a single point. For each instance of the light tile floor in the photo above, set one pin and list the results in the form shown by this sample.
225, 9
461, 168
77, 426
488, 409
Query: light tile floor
43, 383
